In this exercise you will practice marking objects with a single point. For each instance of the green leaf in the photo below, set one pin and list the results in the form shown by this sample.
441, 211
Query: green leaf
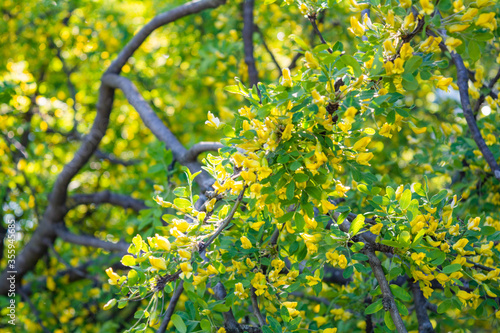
451, 268
295, 166
178, 323
301, 177
405, 199
351, 61
474, 50
388, 320
363, 189
443, 307
342, 217
381, 201
182, 203
221, 308
400, 293
357, 224
417, 188
438, 197
181, 192
299, 222
412, 64
290, 190
374, 307
300, 42
205, 325
314, 192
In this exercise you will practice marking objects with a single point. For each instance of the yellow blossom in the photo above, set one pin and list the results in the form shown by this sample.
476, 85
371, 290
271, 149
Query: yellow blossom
469, 14
186, 269
245, 243
459, 246
418, 258
311, 60
286, 79
389, 47
113, 277
158, 263
427, 7
398, 66
453, 43
376, 228
409, 22
361, 144
256, 225
443, 83
240, 291
473, 224
356, 27
385, 130
458, 27
312, 280
487, 20
162, 243
221, 330
364, 158
406, 51
213, 121
405, 3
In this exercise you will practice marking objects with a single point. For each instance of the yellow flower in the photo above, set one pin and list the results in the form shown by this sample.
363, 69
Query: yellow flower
184, 254
113, 277
459, 246
240, 291
458, 28
487, 20
490, 139
364, 158
389, 47
390, 18
442, 278
312, 280
417, 130
409, 22
427, 7
345, 126
385, 130
342, 261
406, 51
483, 3
497, 314
418, 258
458, 6
443, 83
453, 43
303, 9
186, 269
473, 224
361, 144
469, 14
376, 228
158, 263
356, 27
286, 80
405, 3
221, 330
464, 296
162, 243
398, 66
311, 60
213, 121
256, 225
211, 270
245, 243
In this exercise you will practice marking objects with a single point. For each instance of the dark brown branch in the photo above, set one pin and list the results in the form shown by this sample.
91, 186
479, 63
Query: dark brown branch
463, 87
312, 19
388, 298
113, 160
200, 148
87, 240
156, 126
106, 197
424, 324
248, 29
171, 307
261, 34
255, 307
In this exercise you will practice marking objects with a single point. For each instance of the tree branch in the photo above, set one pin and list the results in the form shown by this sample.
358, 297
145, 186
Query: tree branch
424, 324
171, 307
200, 148
463, 88
248, 29
388, 298
106, 197
156, 126
91, 241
